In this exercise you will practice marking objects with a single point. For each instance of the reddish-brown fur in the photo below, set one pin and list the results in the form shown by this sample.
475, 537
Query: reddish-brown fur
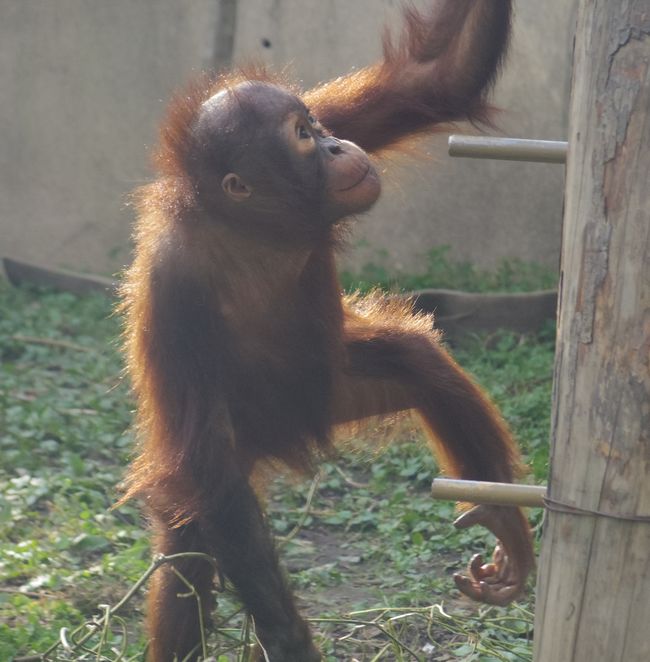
242, 351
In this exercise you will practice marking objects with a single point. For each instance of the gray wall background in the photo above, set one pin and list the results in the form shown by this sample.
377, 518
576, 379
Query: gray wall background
83, 84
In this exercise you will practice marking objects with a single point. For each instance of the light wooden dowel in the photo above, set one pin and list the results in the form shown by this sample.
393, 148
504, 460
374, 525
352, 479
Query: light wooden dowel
508, 149
475, 491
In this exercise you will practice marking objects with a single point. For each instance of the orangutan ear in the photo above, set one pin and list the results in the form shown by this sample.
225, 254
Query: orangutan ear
235, 187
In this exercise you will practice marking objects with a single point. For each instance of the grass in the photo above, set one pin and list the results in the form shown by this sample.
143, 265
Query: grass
440, 271
372, 556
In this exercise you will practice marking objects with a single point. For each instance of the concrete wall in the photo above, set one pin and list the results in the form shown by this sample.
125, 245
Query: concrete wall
83, 84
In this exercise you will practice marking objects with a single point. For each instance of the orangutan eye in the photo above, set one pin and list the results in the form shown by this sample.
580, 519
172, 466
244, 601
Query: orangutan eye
312, 120
303, 132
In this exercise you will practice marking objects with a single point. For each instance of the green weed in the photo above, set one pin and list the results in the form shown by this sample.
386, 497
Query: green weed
369, 551
440, 271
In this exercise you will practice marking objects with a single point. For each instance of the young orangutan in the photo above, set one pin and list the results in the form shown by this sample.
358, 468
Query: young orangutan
241, 349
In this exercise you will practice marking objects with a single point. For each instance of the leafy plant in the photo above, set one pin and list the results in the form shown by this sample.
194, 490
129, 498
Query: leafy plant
366, 543
440, 271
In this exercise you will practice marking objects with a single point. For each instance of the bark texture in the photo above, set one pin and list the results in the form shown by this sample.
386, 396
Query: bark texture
594, 571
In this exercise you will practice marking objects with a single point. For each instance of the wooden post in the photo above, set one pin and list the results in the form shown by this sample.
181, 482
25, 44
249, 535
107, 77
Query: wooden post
593, 601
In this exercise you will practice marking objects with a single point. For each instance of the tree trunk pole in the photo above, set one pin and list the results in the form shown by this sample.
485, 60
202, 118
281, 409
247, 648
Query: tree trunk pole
593, 597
